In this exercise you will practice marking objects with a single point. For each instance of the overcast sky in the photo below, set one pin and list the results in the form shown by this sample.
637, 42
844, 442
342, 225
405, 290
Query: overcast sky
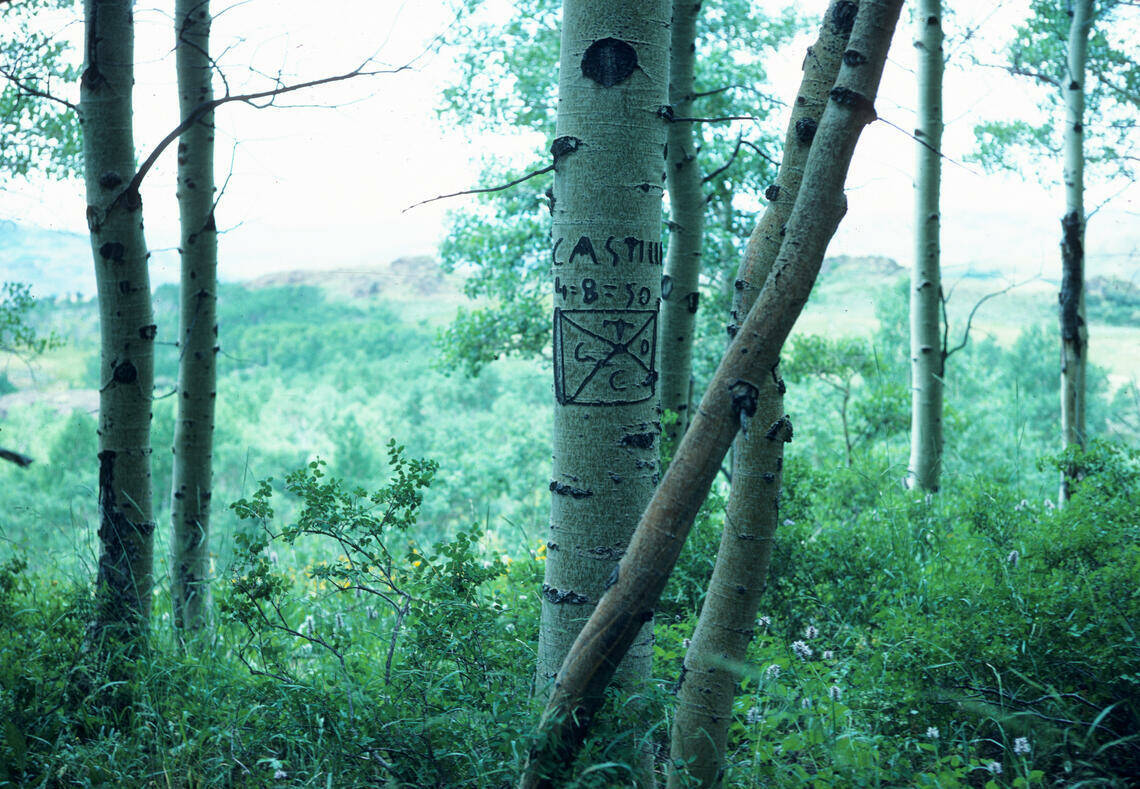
318, 187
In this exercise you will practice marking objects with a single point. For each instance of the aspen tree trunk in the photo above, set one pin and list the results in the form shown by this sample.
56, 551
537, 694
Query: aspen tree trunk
680, 294
708, 680
606, 253
732, 394
927, 360
1074, 329
127, 328
198, 328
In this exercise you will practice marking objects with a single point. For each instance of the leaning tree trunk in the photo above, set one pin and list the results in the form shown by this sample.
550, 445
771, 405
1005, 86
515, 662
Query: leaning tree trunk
127, 328
198, 328
927, 356
680, 294
1074, 329
709, 679
731, 397
606, 254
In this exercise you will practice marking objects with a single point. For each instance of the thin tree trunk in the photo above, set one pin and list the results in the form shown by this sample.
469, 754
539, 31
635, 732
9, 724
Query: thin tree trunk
606, 253
127, 329
927, 360
731, 396
680, 294
709, 679
198, 328
1074, 329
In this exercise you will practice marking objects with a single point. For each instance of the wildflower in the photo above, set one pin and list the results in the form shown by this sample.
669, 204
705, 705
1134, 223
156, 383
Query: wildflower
932, 732
1049, 504
828, 654
802, 650
772, 672
1021, 746
752, 717
280, 775
339, 621
789, 522
834, 693
994, 768
805, 703
1013, 557
307, 624
811, 631
764, 621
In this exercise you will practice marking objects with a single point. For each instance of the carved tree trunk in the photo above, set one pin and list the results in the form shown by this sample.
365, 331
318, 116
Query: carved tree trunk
608, 159
927, 363
1074, 329
732, 394
198, 328
724, 629
114, 216
680, 295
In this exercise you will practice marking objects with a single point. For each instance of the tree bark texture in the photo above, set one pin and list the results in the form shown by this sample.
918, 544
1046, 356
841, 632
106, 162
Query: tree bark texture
198, 328
680, 293
708, 680
927, 362
1074, 329
127, 328
606, 254
731, 397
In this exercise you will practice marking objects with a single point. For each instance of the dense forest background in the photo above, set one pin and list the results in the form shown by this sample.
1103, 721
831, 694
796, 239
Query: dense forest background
381, 505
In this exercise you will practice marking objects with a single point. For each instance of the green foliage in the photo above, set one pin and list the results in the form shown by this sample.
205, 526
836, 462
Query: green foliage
1038, 52
17, 336
37, 133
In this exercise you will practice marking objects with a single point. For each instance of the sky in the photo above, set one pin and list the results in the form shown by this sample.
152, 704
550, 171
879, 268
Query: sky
326, 186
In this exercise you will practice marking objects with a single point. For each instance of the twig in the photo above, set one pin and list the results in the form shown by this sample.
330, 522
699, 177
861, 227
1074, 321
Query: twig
723, 119
727, 164
23, 461
483, 190
25, 87
947, 353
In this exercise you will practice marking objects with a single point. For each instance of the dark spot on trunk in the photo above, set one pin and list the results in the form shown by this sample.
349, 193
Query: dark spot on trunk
148, 332
1074, 85
609, 62
132, 200
1072, 278
666, 287
110, 179
210, 225
665, 111
563, 146
125, 373
932, 20
692, 301
732, 329
616, 478
772, 193
854, 58
645, 616
769, 476
744, 397
551, 545
681, 678
569, 490
560, 597
850, 98
843, 17
606, 552
740, 284
637, 440
113, 251
781, 430
805, 130
550, 199
93, 78
124, 286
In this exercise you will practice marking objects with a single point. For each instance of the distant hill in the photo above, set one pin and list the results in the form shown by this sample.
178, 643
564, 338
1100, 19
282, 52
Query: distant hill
404, 278
55, 262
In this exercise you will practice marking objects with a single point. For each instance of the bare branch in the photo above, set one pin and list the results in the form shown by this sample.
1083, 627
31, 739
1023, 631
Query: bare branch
761, 154
27, 88
727, 164
23, 461
947, 353
484, 190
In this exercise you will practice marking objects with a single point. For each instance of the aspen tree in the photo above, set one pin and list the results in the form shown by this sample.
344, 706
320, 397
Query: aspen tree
927, 354
727, 620
198, 328
731, 397
680, 295
126, 321
1074, 328
606, 268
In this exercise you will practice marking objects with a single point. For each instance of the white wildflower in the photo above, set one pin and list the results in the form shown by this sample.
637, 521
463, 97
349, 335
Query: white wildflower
834, 693
772, 672
1013, 558
932, 732
764, 621
994, 768
1049, 504
805, 703
828, 654
752, 717
280, 775
802, 650
1021, 746
339, 620
810, 632
307, 624
789, 522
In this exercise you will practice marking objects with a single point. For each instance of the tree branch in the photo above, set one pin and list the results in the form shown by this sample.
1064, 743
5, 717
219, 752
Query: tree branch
727, 164
23, 461
947, 353
483, 190
27, 88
